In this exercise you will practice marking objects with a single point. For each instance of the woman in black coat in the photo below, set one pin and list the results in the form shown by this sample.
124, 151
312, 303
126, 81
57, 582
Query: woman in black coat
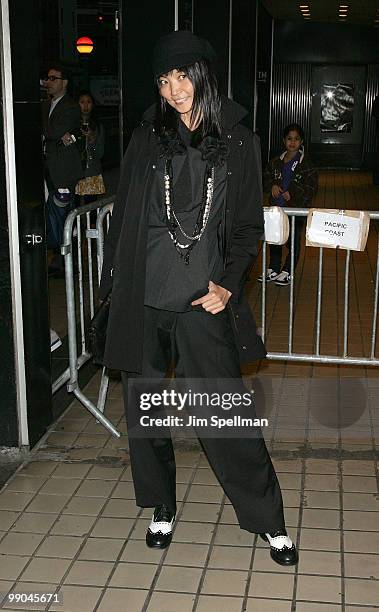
184, 232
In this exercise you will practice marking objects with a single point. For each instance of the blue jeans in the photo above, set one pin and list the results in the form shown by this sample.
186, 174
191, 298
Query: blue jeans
55, 220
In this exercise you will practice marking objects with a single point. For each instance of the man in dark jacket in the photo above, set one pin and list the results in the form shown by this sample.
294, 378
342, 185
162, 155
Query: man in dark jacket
63, 168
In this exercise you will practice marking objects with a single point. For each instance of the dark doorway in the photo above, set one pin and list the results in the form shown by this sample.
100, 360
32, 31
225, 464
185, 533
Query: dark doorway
337, 116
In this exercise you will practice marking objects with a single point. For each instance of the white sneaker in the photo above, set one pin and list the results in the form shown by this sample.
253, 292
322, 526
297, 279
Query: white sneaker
55, 341
270, 276
283, 279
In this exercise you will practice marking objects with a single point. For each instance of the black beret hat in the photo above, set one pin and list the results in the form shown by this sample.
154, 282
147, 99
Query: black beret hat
180, 48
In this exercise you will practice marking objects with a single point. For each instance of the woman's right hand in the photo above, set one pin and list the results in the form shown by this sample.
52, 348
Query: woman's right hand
276, 191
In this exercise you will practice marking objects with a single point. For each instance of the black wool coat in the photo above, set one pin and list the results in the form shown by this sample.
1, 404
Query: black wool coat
125, 247
63, 163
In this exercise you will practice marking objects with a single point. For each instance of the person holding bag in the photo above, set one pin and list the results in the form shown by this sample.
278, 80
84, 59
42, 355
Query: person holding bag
185, 229
91, 146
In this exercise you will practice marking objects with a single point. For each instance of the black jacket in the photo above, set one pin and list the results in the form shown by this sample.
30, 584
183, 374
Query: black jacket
92, 151
125, 247
63, 163
303, 186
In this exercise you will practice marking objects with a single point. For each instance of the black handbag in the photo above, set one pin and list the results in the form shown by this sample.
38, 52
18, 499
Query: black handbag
98, 330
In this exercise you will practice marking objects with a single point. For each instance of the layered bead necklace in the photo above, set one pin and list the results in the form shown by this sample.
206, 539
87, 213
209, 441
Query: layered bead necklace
172, 221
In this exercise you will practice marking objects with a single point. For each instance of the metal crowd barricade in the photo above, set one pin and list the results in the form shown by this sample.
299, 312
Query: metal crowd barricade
81, 310
81, 297
317, 357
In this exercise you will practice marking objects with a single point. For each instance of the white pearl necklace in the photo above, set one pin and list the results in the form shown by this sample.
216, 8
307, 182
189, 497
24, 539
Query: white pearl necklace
207, 209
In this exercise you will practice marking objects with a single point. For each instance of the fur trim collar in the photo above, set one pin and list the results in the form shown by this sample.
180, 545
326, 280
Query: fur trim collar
213, 150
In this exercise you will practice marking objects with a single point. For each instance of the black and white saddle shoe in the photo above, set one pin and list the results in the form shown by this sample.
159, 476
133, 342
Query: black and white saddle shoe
283, 550
159, 532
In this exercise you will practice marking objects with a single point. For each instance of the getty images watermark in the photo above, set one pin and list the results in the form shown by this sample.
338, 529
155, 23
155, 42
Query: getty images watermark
214, 407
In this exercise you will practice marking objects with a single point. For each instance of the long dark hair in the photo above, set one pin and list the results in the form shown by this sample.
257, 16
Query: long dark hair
206, 102
93, 118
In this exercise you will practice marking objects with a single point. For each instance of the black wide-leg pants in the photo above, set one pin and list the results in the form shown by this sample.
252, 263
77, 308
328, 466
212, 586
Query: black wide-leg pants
201, 345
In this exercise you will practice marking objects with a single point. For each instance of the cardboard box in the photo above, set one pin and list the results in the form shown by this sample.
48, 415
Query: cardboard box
343, 229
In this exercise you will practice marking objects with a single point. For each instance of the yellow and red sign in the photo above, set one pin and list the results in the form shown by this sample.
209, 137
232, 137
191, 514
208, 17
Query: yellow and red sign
84, 45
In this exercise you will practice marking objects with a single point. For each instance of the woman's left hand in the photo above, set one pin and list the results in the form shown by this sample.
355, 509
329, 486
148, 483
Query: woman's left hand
286, 196
215, 300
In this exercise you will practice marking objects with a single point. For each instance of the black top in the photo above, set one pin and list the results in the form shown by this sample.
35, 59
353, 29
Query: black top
92, 151
170, 283
124, 265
